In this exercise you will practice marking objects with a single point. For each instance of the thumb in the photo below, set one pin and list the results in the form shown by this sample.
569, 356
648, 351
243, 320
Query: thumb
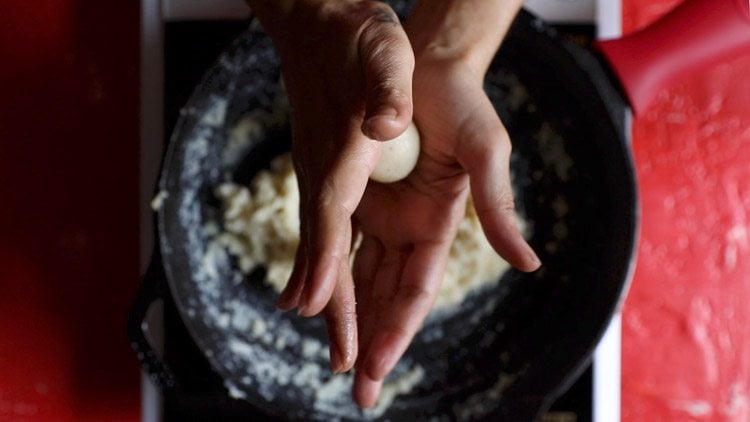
387, 62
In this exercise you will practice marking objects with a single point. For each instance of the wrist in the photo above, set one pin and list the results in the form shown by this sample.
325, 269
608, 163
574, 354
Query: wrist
466, 31
281, 18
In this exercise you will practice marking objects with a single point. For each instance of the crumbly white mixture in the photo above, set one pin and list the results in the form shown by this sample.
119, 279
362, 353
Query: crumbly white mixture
261, 228
158, 201
266, 374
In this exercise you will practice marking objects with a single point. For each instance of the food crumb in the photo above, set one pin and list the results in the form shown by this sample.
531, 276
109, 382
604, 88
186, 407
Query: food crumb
158, 201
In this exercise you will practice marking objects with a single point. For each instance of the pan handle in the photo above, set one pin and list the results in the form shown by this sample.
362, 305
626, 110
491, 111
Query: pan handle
152, 288
694, 36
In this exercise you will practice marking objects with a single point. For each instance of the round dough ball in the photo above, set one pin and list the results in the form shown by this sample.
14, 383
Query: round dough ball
399, 157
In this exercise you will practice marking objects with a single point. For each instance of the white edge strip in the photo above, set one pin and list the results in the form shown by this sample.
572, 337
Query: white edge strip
151, 142
174, 10
151, 117
608, 355
608, 19
563, 11
607, 363
150, 401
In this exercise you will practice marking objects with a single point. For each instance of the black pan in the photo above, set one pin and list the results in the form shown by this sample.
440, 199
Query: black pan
506, 352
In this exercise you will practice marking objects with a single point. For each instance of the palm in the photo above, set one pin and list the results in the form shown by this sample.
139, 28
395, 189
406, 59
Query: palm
406, 236
427, 206
408, 226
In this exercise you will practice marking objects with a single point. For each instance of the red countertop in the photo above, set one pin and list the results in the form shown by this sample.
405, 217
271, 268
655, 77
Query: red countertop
69, 226
686, 344
69, 210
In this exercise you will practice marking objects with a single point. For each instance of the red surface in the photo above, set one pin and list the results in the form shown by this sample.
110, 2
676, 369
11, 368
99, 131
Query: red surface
686, 345
68, 210
691, 38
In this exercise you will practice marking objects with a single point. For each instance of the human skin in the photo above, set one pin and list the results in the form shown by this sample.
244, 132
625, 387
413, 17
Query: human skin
356, 78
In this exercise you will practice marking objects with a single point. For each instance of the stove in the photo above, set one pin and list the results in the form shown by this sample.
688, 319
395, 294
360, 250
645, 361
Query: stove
180, 40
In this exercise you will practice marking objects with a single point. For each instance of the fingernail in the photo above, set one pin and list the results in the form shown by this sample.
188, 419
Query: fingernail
387, 111
336, 362
534, 259
302, 309
385, 114
285, 301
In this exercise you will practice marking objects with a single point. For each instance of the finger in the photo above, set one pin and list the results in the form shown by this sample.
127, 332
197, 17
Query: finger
380, 302
341, 319
328, 244
328, 219
383, 287
388, 277
366, 262
419, 285
387, 62
485, 154
290, 296
366, 390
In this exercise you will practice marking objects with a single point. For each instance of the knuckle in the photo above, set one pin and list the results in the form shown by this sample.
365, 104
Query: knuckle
503, 202
330, 203
483, 145
415, 295
399, 331
503, 141
382, 48
340, 317
384, 91
490, 135
379, 13
506, 203
378, 49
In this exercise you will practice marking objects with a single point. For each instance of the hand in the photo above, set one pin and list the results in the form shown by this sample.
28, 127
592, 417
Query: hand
347, 67
408, 227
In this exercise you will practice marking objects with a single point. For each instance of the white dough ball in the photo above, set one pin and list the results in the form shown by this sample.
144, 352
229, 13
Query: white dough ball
399, 157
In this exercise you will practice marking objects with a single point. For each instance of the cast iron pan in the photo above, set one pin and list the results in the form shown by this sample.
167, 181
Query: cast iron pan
507, 351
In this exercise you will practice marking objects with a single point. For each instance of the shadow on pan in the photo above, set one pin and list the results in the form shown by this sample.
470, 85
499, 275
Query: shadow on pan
504, 353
